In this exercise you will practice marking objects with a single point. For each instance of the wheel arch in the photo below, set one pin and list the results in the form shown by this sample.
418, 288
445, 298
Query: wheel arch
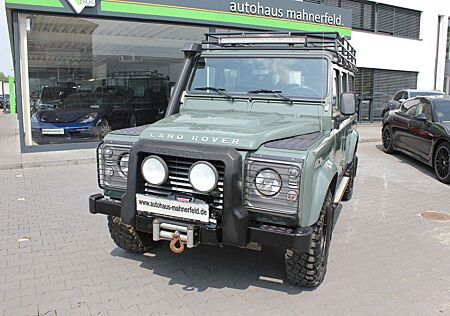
325, 179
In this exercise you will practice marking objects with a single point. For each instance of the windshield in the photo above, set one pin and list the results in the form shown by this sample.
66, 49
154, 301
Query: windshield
442, 111
88, 101
295, 77
424, 93
55, 93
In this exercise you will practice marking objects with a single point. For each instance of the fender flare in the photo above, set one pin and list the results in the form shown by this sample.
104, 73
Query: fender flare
323, 178
352, 146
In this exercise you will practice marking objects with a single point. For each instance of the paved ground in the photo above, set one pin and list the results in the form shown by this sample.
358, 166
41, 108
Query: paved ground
57, 259
369, 133
12, 158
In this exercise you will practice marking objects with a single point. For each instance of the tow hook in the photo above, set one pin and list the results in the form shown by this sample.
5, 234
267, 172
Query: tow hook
177, 245
180, 236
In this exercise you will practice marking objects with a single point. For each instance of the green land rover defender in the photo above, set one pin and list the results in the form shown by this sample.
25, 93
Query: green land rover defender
257, 148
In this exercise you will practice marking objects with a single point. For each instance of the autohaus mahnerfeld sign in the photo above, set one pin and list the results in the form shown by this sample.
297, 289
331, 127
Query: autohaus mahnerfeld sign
254, 14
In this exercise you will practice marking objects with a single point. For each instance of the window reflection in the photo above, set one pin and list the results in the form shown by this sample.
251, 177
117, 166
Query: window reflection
90, 76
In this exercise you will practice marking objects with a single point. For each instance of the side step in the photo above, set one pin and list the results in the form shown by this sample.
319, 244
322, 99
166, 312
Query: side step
340, 190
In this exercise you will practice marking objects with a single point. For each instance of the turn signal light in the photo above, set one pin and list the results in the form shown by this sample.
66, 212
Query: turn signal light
292, 196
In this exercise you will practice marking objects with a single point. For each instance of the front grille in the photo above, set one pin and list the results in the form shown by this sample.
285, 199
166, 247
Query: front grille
118, 180
178, 184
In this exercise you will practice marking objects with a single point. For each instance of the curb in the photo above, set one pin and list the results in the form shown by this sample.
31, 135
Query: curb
43, 164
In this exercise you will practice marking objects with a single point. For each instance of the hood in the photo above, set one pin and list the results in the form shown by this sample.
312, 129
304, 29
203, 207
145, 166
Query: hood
63, 115
241, 130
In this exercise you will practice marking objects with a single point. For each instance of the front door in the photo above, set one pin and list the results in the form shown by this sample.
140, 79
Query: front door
421, 136
400, 127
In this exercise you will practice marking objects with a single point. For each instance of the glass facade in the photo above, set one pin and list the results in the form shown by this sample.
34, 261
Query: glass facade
87, 77
375, 87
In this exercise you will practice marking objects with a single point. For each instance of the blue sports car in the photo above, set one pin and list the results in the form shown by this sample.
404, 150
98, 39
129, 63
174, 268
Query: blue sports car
82, 117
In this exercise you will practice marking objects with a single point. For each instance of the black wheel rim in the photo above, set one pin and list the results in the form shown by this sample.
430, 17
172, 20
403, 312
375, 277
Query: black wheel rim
442, 163
386, 138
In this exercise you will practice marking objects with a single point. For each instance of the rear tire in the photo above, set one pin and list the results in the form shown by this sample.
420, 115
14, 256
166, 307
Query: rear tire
308, 268
441, 163
127, 238
386, 137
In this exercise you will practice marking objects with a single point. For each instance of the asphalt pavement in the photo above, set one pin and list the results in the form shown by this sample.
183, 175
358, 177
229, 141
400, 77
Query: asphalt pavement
58, 259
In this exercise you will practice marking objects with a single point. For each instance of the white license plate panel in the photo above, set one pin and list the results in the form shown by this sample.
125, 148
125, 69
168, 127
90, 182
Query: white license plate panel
53, 131
193, 211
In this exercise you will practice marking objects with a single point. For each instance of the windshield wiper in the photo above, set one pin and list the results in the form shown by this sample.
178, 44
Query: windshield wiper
220, 91
277, 93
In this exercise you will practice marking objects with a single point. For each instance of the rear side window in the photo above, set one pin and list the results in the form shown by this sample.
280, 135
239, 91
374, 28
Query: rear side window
398, 96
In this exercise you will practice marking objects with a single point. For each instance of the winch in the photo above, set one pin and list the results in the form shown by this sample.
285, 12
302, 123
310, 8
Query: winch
178, 235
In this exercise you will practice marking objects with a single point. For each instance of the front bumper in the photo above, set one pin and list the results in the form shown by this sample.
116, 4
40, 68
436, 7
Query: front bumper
262, 234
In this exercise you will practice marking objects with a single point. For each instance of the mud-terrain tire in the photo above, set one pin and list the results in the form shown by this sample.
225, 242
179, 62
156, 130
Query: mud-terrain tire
308, 269
386, 140
127, 238
348, 193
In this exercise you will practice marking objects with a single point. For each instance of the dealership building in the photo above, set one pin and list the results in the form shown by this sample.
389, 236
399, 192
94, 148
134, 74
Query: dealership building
126, 54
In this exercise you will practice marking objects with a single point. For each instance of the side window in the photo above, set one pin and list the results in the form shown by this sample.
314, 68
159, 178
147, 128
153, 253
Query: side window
425, 107
410, 107
398, 96
405, 96
351, 83
344, 82
336, 91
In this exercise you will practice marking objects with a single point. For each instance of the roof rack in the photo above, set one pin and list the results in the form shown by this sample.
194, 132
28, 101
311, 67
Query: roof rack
344, 53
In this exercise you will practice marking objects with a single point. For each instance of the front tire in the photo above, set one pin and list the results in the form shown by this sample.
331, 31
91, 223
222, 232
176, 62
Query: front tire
308, 268
127, 238
387, 140
442, 163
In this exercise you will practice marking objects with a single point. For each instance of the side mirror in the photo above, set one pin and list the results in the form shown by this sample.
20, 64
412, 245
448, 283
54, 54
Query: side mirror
348, 103
421, 117
401, 100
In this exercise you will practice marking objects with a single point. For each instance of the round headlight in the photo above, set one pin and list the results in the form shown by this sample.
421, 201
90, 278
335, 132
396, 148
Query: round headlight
123, 164
268, 182
155, 170
203, 176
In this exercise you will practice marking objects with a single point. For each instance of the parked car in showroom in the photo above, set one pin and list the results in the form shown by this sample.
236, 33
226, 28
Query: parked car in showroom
403, 95
82, 117
52, 97
4, 102
421, 129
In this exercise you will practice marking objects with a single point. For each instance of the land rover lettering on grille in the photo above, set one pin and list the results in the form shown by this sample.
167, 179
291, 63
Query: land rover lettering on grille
257, 148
